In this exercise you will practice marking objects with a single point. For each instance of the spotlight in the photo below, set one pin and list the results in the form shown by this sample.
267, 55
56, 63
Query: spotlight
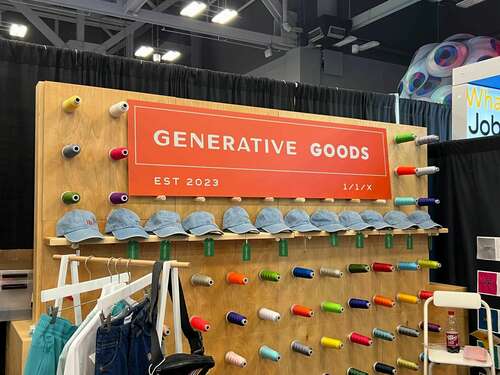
171, 56
356, 48
268, 52
156, 57
18, 30
144, 51
193, 9
224, 16
347, 40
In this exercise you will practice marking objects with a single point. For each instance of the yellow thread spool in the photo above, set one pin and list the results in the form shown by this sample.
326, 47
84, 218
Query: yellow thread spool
427, 263
329, 342
407, 364
71, 104
407, 298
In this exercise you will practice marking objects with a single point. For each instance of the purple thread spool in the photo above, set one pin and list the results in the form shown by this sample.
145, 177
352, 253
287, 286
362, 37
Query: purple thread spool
427, 201
118, 198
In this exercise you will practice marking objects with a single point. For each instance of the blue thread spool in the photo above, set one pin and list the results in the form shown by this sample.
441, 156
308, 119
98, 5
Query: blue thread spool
383, 334
404, 201
267, 353
408, 266
428, 201
235, 318
304, 273
356, 303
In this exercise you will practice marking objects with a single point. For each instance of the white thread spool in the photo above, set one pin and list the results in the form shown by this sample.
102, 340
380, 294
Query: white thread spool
426, 171
235, 359
426, 139
202, 280
268, 314
330, 272
116, 110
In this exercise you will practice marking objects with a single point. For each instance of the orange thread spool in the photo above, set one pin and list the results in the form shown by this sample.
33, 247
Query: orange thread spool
299, 310
383, 301
236, 278
405, 170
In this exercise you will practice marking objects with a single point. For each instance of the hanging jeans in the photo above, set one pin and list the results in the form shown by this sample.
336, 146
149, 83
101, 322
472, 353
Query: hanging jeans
124, 347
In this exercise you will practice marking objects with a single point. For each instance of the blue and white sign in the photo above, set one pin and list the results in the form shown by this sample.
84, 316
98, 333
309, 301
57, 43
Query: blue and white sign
483, 111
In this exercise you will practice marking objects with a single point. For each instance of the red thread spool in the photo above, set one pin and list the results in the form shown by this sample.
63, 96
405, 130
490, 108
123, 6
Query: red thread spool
383, 301
236, 278
382, 267
199, 323
404, 170
424, 294
118, 153
299, 310
357, 338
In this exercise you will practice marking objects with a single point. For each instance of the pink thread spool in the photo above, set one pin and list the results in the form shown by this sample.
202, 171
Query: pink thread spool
118, 198
118, 153
357, 338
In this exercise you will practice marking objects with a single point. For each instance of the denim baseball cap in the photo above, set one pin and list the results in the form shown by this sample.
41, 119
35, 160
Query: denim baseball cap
124, 224
398, 219
200, 223
270, 220
327, 221
236, 220
352, 220
374, 218
77, 226
299, 220
423, 220
164, 224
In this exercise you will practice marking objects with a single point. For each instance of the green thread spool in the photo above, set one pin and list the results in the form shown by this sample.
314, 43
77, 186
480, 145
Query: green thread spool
409, 241
427, 263
332, 307
165, 249
404, 137
268, 275
283, 247
354, 371
405, 201
389, 241
358, 268
246, 252
334, 239
209, 247
70, 197
360, 240
133, 250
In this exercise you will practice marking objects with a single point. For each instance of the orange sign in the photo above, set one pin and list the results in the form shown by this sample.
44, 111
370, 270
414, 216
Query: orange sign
188, 151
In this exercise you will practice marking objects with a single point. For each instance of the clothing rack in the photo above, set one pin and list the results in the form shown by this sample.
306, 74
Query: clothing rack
121, 261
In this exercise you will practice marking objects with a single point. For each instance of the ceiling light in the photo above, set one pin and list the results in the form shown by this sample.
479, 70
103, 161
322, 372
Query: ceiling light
369, 45
268, 52
17, 30
144, 51
193, 9
224, 16
468, 3
156, 57
345, 41
171, 56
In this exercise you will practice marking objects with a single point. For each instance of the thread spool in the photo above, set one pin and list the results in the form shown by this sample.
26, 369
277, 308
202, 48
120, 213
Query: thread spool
404, 137
283, 247
383, 301
407, 331
382, 267
407, 364
427, 202
389, 241
266, 352
71, 104
209, 247
246, 252
383, 334
358, 338
424, 171
427, 263
359, 240
332, 307
118, 153
424, 294
431, 327
199, 323
408, 266
355, 371
165, 250
409, 241
407, 298
236, 278
421, 357
235, 318
356, 303
426, 139
328, 342
300, 348
118, 198
118, 109
70, 151
358, 268
201, 280
267, 275
304, 273
330, 272
303, 311
235, 359
268, 314
404, 201
405, 171
384, 368
334, 239
166, 331
70, 197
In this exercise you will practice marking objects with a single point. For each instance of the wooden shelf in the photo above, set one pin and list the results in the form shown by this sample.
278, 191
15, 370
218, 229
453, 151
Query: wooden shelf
61, 241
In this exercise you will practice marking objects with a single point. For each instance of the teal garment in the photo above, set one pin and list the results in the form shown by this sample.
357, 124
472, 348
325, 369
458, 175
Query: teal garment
47, 344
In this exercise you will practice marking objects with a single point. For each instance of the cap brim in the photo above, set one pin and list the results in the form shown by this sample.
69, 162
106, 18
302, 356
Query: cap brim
243, 228
332, 228
360, 226
276, 228
83, 234
429, 224
406, 224
170, 231
127, 233
306, 228
206, 229
381, 225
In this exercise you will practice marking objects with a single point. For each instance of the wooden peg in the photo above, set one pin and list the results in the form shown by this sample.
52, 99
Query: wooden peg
355, 200
381, 201
200, 199
236, 199
329, 200
161, 197
269, 199
300, 200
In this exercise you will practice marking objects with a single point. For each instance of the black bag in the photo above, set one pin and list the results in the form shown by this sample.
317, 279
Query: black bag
180, 363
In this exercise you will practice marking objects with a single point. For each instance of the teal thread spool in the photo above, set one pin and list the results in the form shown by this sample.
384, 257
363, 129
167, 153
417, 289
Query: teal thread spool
405, 201
409, 241
246, 252
133, 249
404, 137
209, 247
389, 240
332, 307
360, 240
334, 239
70, 197
165, 249
283, 247
383, 334
267, 353
268, 275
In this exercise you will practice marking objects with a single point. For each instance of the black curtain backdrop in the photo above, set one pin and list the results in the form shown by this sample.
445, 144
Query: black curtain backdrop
23, 65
